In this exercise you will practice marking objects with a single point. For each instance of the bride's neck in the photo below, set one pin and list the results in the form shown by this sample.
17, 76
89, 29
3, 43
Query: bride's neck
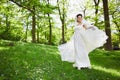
79, 22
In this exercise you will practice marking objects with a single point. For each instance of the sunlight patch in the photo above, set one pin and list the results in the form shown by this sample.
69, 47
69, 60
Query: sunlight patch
111, 71
4, 48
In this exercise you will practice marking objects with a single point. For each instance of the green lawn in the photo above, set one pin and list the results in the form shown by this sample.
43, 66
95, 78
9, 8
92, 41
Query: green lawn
28, 61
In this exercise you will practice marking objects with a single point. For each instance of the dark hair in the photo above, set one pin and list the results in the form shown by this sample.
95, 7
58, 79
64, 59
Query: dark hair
79, 15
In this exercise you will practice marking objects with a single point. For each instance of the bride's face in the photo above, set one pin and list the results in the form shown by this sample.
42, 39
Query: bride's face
79, 19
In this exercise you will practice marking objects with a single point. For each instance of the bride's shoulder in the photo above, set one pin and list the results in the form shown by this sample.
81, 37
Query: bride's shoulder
75, 24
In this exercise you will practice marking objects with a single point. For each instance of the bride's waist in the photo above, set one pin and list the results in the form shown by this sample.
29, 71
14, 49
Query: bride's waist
79, 29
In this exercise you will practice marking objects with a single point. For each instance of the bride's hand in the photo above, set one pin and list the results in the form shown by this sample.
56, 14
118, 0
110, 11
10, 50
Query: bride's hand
91, 28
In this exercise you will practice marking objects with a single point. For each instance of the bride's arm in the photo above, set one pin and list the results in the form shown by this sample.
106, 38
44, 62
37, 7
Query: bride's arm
90, 27
87, 25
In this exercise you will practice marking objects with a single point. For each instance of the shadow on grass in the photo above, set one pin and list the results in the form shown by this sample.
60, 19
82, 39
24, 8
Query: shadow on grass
37, 61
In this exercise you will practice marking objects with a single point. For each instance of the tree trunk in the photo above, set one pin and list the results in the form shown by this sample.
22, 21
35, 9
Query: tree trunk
37, 35
62, 18
108, 45
84, 11
63, 24
26, 30
63, 31
33, 25
50, 30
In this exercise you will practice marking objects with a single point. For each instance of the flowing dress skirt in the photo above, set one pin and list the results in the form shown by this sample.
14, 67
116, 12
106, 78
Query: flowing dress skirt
82, 42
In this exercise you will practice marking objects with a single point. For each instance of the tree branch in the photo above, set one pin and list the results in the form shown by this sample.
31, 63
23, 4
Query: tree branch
115, 21
21, 5
59, 10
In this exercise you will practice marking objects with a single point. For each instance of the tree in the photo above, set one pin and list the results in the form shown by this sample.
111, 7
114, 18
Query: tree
62, 13
50, 25
9, 30
114, 12
31, 7
26, 26
108, 45
96, 2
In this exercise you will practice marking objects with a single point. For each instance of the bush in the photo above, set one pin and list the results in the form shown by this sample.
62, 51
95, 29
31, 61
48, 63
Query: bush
15, 36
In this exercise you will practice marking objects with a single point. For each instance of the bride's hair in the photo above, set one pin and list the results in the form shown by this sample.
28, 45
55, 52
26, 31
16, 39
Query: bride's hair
78, 15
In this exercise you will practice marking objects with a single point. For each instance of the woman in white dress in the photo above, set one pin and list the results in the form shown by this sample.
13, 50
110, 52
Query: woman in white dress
86, 38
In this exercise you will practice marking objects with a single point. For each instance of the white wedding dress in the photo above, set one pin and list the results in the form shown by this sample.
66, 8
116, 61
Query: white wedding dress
82, 42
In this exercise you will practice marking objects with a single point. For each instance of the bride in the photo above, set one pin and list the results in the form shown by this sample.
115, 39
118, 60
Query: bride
86, 38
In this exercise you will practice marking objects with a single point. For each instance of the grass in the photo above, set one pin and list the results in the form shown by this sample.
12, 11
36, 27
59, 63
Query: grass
28, 61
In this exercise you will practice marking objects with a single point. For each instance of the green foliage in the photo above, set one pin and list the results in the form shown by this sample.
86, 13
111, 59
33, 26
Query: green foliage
13, 35
115, 40
10, 26
115, 13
